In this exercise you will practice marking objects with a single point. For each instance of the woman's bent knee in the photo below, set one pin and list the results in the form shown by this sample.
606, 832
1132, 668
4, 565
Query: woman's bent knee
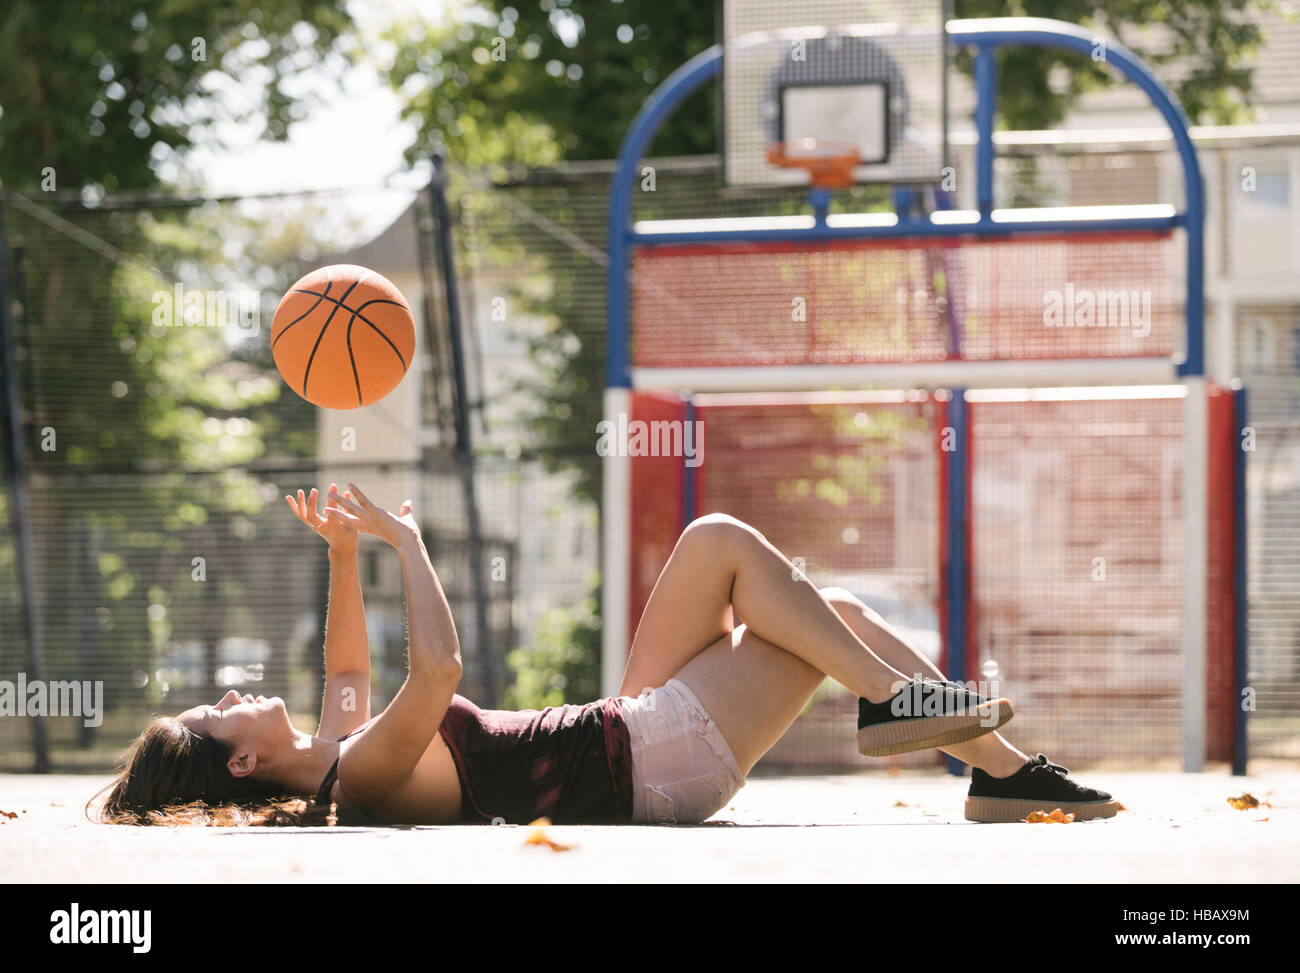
837, 595
716, 530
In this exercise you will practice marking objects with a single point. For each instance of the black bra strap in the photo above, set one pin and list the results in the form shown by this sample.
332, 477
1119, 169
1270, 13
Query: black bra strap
323, 795
327, 785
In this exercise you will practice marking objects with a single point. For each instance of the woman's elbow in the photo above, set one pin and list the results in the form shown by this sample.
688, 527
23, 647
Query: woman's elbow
451, 669
443, 668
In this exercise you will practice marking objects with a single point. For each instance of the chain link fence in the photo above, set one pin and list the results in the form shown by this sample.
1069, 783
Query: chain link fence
158, 449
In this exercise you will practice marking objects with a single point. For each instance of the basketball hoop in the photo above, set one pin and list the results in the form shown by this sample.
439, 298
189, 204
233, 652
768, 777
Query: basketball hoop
828, 162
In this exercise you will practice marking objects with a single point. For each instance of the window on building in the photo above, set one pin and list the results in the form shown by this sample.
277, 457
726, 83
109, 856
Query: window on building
1269, 202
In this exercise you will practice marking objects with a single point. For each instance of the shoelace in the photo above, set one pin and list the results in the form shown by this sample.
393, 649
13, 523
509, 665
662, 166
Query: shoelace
937, 686
1042, 761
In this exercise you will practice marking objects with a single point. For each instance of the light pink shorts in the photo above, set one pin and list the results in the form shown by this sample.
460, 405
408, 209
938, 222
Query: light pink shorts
683, 771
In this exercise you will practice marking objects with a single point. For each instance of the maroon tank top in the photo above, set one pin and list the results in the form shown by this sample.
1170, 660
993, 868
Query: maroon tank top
572, 764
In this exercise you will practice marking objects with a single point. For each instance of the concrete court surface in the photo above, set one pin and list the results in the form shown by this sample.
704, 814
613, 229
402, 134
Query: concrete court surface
869, 827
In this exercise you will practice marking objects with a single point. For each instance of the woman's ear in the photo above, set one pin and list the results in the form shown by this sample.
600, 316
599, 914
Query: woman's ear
241, 764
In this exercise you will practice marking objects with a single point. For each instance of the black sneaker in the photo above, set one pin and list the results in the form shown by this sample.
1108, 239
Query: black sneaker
927, 713
1039, 785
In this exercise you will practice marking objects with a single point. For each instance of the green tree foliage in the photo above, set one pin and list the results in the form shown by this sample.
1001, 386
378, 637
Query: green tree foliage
110, 96
562, 664
523, 83
1212, 40
532, 82
107, 91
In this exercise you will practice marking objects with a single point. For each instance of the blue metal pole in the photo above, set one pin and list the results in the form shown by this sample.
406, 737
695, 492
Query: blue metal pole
1240, 741
958, 555
1036, 32
820, 200
678, 86
987, 35
689, 485
986, 93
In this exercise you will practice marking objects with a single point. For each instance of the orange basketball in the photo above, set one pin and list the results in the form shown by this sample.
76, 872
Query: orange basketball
343, 337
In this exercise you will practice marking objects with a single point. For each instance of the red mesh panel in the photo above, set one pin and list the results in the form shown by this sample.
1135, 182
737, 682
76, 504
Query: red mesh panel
904, 300
656, 506
1062, 492
1076, 534
851, 488
1220, 635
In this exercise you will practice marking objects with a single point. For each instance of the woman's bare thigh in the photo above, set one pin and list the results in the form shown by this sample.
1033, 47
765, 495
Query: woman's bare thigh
688, 610
752, 689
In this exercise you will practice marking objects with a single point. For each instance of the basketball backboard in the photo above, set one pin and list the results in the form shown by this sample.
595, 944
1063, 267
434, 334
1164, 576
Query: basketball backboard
870, 72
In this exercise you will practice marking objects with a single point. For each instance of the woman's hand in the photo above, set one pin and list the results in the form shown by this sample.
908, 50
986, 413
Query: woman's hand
339, 534
359, 513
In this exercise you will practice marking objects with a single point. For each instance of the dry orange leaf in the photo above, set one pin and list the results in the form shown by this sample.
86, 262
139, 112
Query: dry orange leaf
540, 837
1057, 816
1244, 801
9, 814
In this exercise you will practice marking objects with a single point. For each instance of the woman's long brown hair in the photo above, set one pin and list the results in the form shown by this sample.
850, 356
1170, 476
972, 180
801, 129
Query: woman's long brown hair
174, 776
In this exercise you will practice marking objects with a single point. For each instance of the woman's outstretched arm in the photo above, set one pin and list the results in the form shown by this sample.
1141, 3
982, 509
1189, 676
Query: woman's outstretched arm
384, 756
346, 701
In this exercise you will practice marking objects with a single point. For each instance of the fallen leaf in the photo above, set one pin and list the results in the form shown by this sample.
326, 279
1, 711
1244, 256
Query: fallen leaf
9, 814
1120, 807
540, 837
1056, 816
1243, 801
901, 804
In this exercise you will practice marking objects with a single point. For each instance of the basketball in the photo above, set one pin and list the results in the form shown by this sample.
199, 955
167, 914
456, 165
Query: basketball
343, 337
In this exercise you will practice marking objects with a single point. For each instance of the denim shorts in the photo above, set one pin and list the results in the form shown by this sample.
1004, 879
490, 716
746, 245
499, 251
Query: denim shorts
683, 771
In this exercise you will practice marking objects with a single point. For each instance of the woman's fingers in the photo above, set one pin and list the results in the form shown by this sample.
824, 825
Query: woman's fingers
356, 523
305, 506
348, 504
360, 497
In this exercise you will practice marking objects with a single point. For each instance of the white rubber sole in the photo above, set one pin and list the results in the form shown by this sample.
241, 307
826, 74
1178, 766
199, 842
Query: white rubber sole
1006, 810
924, 732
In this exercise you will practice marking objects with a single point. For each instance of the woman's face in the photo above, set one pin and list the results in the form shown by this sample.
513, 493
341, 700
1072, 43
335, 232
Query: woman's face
250, 724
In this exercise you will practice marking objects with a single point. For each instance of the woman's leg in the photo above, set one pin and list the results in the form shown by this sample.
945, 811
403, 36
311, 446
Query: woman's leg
754, 690
721, 564
991, 752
